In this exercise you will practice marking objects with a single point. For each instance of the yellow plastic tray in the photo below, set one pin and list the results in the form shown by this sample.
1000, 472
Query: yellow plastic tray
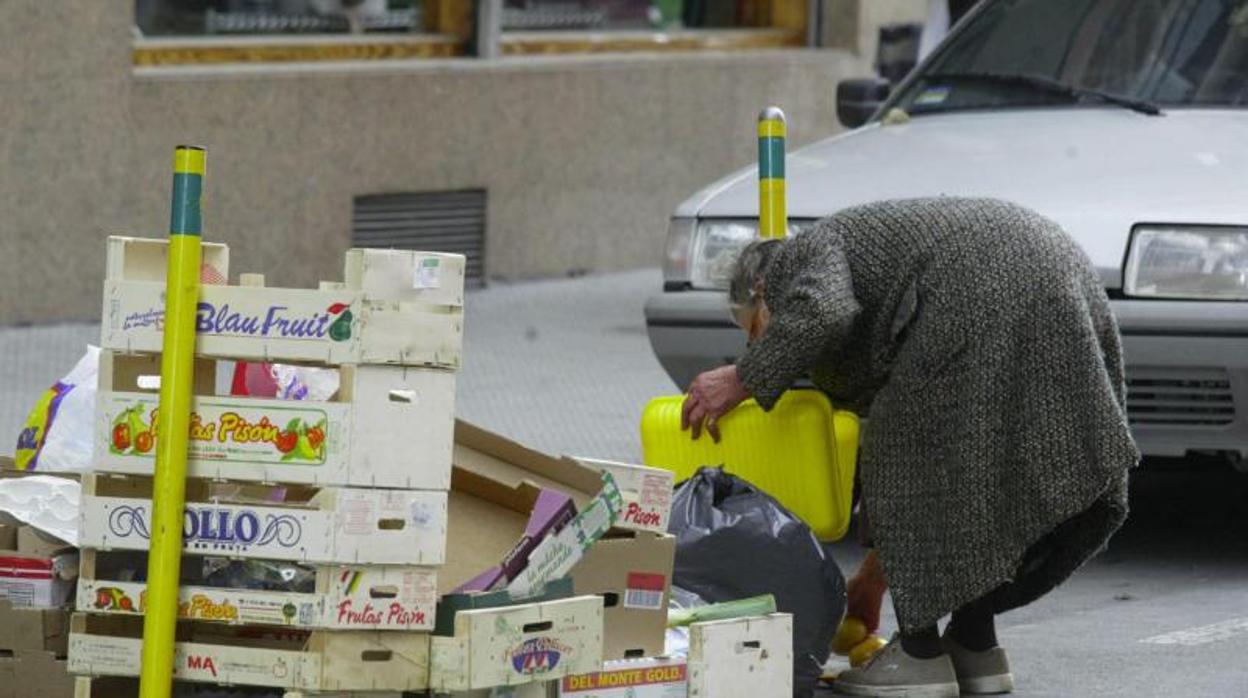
803, 453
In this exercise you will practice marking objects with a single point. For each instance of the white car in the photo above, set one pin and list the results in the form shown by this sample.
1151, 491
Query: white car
1126, 121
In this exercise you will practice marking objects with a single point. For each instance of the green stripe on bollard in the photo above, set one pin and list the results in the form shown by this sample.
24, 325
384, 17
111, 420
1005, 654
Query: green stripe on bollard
185, 218
771, 158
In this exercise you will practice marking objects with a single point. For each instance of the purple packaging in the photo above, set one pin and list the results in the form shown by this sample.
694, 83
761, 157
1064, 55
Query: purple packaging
552, 512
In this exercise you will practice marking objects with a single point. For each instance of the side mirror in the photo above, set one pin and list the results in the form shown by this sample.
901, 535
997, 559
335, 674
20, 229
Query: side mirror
857, 100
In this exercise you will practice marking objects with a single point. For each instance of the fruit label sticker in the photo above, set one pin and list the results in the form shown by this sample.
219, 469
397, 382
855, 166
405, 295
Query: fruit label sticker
228, 430
428, 274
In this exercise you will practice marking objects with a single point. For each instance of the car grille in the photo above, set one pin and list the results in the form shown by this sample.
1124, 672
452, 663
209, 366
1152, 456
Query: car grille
1185, 397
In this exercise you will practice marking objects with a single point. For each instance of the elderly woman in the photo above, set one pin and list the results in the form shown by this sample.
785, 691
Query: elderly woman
995, 459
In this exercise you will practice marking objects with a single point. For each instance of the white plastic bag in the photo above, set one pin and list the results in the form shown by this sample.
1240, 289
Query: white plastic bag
305, 382
58, 434
49, 504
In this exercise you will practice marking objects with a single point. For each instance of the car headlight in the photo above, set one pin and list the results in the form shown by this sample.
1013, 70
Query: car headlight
702, 252
1206, 263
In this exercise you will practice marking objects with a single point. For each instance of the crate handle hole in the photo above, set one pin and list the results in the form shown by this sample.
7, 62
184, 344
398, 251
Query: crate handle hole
149, 382
392, 524
404, 396
376, 655
748, 645
634, 654
383, 592
610, 599
538, 627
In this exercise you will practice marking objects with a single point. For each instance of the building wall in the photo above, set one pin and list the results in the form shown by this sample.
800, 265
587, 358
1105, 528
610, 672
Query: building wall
584, 157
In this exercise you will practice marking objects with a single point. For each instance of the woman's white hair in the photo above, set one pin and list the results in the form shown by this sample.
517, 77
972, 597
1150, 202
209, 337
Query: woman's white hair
750, 269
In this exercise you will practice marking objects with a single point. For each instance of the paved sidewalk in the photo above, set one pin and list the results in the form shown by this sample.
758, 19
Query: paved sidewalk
562, 365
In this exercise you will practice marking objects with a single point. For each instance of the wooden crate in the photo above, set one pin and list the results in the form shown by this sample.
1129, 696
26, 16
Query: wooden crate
314, 661
320, 525
741, 657
345, 597
517, 645
389, 426
393, 307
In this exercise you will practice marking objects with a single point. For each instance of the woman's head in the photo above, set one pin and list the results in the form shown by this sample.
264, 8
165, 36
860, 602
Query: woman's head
745, 291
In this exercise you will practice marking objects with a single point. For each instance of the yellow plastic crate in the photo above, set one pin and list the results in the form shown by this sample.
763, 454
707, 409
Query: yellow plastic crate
803, 453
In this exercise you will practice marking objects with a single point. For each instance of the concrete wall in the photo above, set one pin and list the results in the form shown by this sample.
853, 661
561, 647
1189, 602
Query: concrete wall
584, 158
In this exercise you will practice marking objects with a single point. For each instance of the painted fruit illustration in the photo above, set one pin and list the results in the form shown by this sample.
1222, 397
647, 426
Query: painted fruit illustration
286, 441
144, 442
121, 436
127, 428
316, 436
340, 330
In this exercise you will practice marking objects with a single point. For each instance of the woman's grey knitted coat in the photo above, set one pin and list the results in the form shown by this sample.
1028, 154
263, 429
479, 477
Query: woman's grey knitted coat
980, 338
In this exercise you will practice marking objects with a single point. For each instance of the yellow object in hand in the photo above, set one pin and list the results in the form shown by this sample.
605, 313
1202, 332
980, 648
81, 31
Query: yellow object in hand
865, 650
851, 633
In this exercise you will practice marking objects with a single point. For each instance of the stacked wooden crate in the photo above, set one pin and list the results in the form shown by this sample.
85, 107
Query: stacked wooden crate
349, 494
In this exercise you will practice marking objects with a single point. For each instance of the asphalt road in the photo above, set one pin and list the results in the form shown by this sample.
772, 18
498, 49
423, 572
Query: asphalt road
565, 366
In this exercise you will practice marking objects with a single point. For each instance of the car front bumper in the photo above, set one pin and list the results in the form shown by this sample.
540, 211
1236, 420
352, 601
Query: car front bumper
1187, 363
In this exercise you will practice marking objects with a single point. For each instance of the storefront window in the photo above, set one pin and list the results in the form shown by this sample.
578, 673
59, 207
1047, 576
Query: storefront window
244, 17
529, 15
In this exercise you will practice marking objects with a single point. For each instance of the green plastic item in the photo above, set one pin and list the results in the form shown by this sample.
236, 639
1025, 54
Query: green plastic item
741, 608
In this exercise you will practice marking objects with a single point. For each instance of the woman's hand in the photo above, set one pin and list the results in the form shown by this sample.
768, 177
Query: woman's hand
712, 395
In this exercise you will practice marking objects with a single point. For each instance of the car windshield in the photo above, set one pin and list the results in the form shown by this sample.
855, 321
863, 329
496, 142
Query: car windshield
1136, 54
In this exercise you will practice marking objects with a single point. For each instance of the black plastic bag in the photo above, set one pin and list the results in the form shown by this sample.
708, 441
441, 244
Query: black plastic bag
734, 541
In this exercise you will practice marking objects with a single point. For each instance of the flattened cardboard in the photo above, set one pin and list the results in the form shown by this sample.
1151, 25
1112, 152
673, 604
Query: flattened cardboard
35, 674
32, 541
34, 629
495, 483
633, 573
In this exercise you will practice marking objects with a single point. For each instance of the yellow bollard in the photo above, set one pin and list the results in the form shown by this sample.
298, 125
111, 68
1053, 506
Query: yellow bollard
773, 219
177, 364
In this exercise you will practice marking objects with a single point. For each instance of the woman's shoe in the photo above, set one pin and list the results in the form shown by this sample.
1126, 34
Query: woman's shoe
979, 673
894, 674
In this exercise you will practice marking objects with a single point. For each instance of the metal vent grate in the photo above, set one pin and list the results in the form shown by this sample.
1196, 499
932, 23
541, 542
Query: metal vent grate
443, 221
1185, 397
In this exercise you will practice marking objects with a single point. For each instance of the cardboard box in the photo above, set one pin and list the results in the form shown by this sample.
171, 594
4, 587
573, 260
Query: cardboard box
32, 541
633, 572
557, 554
495, 483
647, 494
9, 525
33, 629
634, 678
35, 674
551, 512
28, 581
